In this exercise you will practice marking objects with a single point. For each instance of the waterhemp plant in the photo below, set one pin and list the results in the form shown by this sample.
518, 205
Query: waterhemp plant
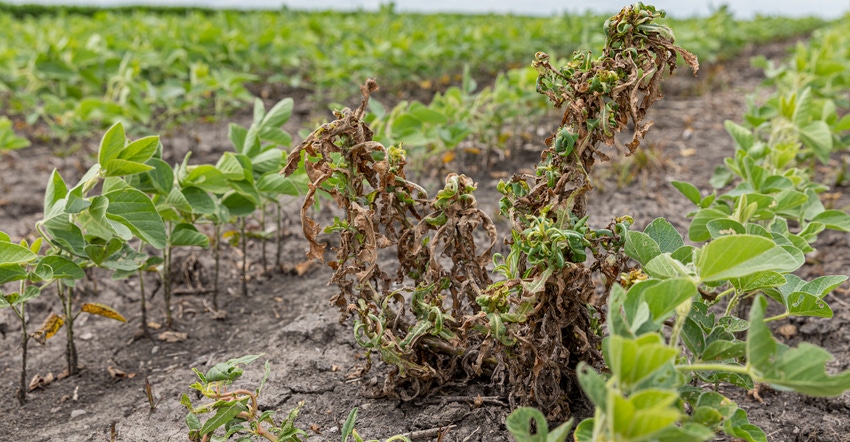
440, 315
236, 410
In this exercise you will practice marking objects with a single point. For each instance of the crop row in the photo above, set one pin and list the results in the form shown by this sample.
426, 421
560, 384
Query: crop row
80, 69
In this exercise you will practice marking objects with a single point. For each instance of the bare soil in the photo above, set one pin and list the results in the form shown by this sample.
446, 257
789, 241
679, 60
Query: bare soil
287, 317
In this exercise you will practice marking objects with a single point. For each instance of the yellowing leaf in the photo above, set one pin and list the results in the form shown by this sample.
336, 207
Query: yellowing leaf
102, 310
49, 328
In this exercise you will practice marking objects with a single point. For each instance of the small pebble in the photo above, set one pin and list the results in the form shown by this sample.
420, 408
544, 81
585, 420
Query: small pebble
155, 349
77, 413
333, 429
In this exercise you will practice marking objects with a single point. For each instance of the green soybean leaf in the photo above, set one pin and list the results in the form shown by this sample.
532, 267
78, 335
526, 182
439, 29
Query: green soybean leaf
63, 268
663, 297
805, 304
198, 200
230, 370
230, 167
207, 177
817, 136
584, 431
12, 272
238, 205
644, 413
664, 266
744, 137
641, 247
593, 385
141, 150
111, 145
11, 253
820, 287
119, 167
698, 232
223, 415
724, 227
188, 235
137, 212
741, 255
278, 114
739, 426
800, 369
633, 360
689, 190
518, 422
758, 280
56, 191
834, 219
668, 239
721, 350
65, 235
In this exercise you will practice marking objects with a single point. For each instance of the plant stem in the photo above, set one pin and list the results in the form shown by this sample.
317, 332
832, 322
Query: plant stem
715, 367
166, 281
22, 392
732, 303
244, 257
263, 239
279, 236
143, 304
71, 348
778, 317
217, 252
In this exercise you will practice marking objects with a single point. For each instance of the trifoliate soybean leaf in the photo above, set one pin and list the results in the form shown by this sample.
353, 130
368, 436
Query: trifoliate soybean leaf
161, 176
633, 360
684, 254
724, 227
593, 385
230, 167
63, 268
834, 219
688, 432
698, 232
224, 415
740, 427
800, 369
207, 177
743, 137
236, 134
238, 205
664, 266
517, 423
665, 235
817, 136
188, 235
789, 199
101, 310
741, 255
732, 324
200, 202
722, 350
663, 297
137, 212
229, 371
111, 145
776, 183
584, 431
30, 292
51, 325
758, 280
641, 247
805, 304
11, 253
277, 137
64, 235
12, 272
141, 150
268, 161
119, 167
693, 336
820, 287
55, 192
278, 114
643, 414
689, 190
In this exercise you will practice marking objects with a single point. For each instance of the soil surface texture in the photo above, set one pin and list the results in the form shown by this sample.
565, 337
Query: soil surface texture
286, 314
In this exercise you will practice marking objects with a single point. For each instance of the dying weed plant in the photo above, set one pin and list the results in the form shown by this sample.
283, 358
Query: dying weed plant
438, 315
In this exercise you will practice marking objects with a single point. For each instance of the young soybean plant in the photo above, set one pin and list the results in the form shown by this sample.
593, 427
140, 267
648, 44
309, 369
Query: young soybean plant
95, 230
236, 411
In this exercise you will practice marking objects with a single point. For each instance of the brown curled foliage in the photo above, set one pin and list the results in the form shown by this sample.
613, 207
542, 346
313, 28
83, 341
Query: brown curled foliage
440, 316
